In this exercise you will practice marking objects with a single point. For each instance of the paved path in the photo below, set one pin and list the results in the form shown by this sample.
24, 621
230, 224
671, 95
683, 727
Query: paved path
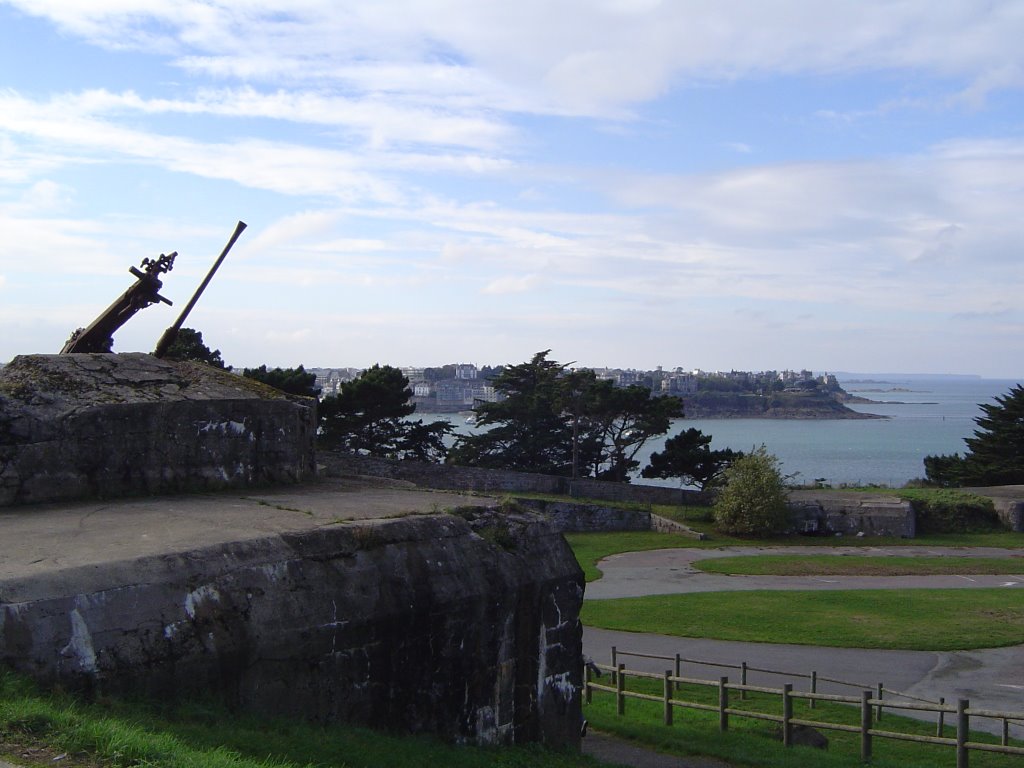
671, 571
990, 678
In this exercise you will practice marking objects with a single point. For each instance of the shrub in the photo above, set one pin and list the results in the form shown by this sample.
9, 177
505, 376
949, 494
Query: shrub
753, 501
951, 511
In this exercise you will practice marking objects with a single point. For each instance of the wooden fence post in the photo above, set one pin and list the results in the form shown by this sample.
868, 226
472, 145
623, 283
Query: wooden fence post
615, 663
941, 724
787, 714
679, 670
962, 727
723, 703
668, 697
743, 679
620, 686
814, 689
865, 726
878, 709
1005, 739
587, 690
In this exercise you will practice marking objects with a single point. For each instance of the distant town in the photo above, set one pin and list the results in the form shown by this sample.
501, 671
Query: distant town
459, 386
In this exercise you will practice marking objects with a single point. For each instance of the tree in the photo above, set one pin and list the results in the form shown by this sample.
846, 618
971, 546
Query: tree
564, 422
529, 431
753, 500
188, 345
689, 457
368, 415
294, 381
996, 452
618, 421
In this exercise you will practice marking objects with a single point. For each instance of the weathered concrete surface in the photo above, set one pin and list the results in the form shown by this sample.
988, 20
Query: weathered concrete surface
301, 602
1009, 503
851, 513
571, 517
106, 425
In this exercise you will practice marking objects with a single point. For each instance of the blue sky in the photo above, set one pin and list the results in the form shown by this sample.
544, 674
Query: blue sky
706, 184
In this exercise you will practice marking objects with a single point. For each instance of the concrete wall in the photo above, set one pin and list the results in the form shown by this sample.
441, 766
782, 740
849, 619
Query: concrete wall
466, 627
852, 513
106, 425
568, 517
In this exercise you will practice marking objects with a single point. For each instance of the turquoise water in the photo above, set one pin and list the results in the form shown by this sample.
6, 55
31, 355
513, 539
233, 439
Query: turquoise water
933, 417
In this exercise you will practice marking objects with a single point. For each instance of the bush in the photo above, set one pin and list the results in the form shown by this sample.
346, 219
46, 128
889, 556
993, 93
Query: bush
753, 501
950, 511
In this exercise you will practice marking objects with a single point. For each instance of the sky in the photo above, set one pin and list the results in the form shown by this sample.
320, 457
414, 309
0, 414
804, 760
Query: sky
714, 184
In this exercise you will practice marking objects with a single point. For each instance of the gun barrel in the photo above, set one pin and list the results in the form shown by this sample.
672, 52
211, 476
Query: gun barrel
171, 333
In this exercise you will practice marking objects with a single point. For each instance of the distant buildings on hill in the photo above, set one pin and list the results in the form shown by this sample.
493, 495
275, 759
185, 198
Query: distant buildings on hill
459, 386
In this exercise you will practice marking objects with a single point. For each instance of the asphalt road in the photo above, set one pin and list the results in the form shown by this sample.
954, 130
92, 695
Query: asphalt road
989, 678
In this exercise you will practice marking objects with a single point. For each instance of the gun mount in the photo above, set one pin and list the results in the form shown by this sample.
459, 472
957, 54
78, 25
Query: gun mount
99, 336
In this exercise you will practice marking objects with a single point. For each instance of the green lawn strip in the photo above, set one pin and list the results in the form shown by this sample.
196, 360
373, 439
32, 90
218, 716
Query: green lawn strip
860, 565
917, 619
750, 742
195, 735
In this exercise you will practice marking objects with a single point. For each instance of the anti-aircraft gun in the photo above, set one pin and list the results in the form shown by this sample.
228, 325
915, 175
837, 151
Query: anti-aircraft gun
99, 336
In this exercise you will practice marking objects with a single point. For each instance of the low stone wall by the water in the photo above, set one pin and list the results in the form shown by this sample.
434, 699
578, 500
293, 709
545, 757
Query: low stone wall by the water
502, 481
107, 425
462, 626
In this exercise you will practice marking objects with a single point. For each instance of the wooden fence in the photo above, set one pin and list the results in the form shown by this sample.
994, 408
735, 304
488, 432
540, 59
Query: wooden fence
869, 700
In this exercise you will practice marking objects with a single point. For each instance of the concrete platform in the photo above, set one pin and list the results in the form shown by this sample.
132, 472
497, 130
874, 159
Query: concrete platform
45, 538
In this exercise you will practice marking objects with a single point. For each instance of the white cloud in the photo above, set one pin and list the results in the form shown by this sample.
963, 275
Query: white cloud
513, 284
577, 56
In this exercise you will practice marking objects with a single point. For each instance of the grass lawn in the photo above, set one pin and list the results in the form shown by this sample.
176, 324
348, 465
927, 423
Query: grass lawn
116, 733
860, 565
919, 619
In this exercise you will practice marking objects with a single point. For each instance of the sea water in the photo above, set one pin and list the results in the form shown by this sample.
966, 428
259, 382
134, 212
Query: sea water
924, 416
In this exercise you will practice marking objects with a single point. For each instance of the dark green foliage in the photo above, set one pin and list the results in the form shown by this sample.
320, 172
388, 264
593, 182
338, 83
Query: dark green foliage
188, 345
689, 457
294, 381
368, 416
952, 511
552, 420
753, 501
616, 422
529, 430
995, 454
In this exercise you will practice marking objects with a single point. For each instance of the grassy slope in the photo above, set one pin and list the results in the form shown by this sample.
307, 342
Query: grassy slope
751, 742
206, 736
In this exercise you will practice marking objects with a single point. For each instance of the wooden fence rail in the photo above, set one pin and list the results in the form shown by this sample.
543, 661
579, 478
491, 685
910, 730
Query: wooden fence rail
866, 701
878, 689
